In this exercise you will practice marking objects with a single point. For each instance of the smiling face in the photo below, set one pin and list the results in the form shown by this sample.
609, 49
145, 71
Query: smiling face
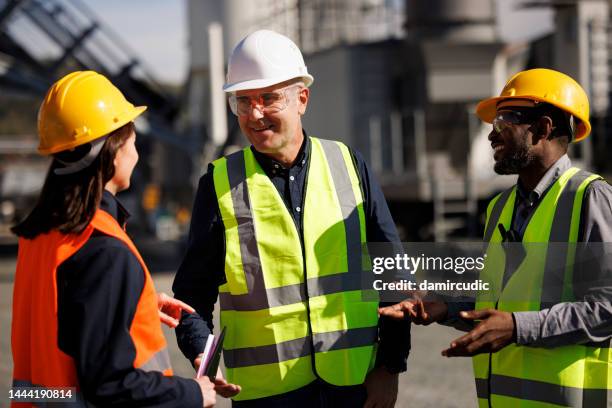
512, 140
274, 133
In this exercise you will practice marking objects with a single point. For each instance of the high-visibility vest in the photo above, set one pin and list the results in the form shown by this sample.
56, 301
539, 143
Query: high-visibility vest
37, 359
294, 312
522, 376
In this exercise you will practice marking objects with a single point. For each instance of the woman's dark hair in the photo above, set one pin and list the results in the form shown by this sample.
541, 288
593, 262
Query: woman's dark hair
67, 203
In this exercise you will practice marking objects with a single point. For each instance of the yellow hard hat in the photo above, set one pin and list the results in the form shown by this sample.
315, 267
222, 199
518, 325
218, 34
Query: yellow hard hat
79, 108
543, 85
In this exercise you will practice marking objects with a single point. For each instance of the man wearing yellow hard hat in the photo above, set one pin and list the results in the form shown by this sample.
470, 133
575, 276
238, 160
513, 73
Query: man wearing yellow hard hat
551, 348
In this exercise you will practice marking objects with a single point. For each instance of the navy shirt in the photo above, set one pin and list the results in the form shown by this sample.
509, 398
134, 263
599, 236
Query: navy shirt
98, 291
203, 266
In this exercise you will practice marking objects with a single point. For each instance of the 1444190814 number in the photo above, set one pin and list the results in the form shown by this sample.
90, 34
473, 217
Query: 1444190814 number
39, 394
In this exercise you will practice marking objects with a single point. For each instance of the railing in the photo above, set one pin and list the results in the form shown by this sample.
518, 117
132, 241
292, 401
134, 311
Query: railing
53, 32
397, 144
398, 155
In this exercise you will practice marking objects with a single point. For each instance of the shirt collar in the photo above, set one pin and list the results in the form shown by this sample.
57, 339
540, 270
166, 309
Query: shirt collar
273, 167
551, 175
111, 205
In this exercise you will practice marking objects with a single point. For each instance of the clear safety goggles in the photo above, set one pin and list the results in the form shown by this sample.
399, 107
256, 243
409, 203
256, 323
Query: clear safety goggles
265, 102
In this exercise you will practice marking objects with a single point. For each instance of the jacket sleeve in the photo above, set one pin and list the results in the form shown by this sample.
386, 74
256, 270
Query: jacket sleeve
455, 307
202, 270
590, 318
98, 292
394, 336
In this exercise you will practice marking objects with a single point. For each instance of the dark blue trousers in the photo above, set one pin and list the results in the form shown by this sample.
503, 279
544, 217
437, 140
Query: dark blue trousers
317, 394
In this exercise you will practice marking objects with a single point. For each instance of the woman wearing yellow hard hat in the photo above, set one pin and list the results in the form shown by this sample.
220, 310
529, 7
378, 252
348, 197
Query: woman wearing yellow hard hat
85, 311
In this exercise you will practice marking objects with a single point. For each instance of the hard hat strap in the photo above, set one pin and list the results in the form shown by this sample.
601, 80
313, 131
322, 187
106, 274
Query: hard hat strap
84, 162
572, 126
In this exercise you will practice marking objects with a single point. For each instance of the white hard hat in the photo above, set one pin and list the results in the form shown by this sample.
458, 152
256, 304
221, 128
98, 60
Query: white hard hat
264, 58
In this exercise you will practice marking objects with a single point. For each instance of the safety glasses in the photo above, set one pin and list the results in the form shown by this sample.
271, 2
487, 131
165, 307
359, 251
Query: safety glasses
265, 102
508, 118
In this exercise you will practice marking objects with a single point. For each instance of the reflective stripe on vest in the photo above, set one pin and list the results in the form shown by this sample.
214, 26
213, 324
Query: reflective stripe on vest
576, 375
531, 390
301, 347
283, 302
35, 333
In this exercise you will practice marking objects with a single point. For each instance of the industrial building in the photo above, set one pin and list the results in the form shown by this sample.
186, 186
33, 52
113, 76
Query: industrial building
396, 80
399, 81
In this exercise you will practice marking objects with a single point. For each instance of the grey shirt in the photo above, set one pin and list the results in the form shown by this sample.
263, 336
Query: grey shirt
569, 322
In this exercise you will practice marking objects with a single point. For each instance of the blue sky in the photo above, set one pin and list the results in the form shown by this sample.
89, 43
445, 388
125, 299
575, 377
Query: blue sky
155, 29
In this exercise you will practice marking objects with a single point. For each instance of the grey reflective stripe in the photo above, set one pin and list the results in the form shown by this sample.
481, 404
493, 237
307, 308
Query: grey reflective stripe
258, 297
79, 403
482, 388
160, 361
251, 262
288, 350
596, 398
263, 299
545, 392
495, 214
346, 198
341, 282
286, 295
269, 354
560, 229
554, 272
343, 339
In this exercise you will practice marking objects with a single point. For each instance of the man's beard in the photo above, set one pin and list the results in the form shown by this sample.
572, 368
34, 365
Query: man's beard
519, 159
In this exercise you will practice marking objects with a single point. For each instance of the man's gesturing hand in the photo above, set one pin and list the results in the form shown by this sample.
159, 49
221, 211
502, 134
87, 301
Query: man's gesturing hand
495, 331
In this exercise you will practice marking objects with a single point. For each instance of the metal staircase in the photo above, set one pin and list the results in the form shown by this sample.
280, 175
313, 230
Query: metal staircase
84, 42
455, 203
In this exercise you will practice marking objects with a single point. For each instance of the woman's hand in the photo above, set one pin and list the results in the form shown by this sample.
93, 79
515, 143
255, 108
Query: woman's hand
170, 309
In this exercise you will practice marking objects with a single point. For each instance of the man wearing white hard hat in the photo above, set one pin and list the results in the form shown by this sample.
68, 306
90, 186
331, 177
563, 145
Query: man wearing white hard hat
276, 236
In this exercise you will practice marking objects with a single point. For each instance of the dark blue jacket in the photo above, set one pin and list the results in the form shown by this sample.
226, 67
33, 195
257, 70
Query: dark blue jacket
98, 291
203, 268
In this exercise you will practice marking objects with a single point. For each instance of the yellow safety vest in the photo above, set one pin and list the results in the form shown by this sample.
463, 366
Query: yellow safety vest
294, 312
523, 376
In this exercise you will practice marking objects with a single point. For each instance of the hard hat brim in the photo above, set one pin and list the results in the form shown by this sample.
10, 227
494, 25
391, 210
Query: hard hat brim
264, 83
122, 120
487, 110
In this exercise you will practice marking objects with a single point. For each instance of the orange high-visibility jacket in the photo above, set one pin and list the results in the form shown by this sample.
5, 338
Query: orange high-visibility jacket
37, 359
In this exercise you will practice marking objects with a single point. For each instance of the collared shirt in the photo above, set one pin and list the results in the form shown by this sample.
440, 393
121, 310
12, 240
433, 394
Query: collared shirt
203, 268
98, 292
288, 181
569, 322
598, 196
526, 201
